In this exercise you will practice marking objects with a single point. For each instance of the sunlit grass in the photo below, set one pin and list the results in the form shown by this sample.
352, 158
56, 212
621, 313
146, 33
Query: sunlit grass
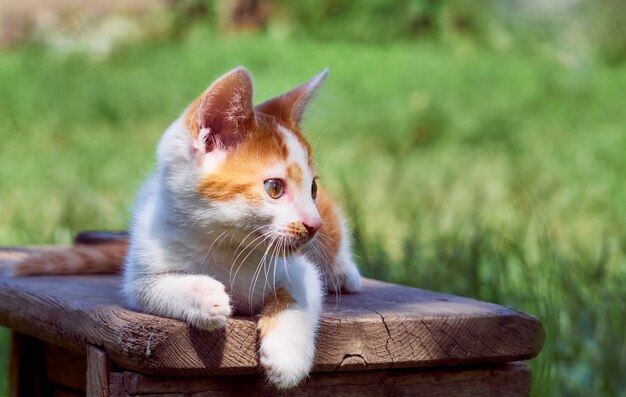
488, 175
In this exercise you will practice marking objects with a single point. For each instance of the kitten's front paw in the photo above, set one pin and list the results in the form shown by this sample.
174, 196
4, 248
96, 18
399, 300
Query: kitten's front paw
287, 359
347, 278
210, 304
352, 279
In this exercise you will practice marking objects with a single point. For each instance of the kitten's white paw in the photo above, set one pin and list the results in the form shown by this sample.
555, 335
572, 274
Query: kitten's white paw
347, 278
210, 307
352, 280
287, 359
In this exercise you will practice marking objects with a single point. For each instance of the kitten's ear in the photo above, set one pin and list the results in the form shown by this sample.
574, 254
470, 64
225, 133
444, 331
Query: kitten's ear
289, 107
223, 114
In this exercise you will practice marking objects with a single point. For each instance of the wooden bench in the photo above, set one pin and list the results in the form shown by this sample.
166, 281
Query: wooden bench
72, 334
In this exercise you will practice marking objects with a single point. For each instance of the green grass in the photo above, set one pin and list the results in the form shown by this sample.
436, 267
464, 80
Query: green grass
491, 175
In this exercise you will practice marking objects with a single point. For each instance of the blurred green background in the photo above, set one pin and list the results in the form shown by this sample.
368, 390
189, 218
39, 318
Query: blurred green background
477, 147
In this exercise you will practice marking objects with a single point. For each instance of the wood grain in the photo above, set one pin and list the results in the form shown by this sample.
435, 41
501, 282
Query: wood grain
65, 368
512, 380
98, 372
384, 326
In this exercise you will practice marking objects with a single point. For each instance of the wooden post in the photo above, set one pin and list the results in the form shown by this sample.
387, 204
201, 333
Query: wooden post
98, 372
26, 366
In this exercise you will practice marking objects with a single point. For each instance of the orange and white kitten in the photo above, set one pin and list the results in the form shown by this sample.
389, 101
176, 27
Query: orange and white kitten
232, 220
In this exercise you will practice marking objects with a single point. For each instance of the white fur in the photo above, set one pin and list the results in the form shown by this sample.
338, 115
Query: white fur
287, 352
346, 275
297, 154
198, 260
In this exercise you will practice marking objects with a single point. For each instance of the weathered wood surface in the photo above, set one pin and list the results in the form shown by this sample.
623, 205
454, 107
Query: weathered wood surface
511, 380
383, 326
65, 372
64, 368
98, 372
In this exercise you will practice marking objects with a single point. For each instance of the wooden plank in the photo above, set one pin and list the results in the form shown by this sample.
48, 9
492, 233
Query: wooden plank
383, 326
98, 372
65, 368
26, 367
485, 381
62, 392
116, 384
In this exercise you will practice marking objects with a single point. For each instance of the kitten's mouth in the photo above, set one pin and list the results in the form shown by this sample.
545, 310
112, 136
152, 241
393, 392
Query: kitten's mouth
296, 245
291, 247
290, 243
288, 246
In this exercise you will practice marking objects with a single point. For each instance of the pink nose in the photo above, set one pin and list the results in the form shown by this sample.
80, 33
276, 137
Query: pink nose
312, 228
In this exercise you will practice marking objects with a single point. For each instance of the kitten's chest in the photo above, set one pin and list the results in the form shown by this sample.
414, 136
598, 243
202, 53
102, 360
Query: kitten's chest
250, 279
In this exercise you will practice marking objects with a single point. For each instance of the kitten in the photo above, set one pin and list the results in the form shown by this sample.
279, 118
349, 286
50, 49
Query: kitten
233, 220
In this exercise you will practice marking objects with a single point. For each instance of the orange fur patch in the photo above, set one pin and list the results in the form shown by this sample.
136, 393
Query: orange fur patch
222, 187
281, 300
79, 259
294, 172
277, 114
241, 172
190, 117
297, 232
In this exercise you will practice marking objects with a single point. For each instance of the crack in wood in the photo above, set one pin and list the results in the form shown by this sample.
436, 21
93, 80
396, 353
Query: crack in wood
353, 359
508, 328
389, 337
434, 339
494, 351
418, 339
243, 342
456, 343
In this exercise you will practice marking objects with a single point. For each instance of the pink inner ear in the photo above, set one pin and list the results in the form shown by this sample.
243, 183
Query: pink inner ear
212, 138
209, 143
225, 113
216, 137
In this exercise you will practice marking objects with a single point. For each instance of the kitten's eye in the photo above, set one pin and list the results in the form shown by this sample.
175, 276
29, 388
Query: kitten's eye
274, 188
314, 190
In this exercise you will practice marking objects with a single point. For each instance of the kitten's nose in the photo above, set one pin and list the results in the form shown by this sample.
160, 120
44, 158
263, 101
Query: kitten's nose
312, 228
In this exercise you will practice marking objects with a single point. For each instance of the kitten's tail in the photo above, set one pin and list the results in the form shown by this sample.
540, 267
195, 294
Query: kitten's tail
92, 253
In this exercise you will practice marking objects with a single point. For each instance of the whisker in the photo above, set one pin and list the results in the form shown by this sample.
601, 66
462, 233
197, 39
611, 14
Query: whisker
327, 263
264, 259
274, 278
247, 256
206, 254
253, 282
248, 235
230, 274
284, 252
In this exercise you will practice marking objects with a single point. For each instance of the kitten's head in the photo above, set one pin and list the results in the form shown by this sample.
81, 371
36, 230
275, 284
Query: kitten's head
255, 169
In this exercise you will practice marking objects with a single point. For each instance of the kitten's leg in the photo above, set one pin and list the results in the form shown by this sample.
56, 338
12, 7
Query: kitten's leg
288, 326
343, 275
335, 261
331, 249
197, 299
